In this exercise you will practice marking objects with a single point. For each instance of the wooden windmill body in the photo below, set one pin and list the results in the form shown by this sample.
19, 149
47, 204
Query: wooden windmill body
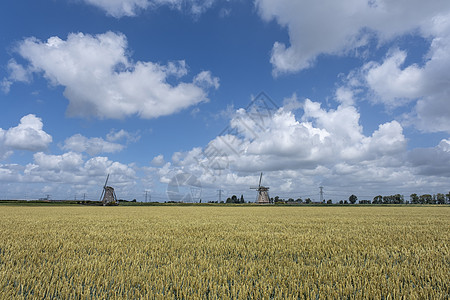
262, 193
108, 196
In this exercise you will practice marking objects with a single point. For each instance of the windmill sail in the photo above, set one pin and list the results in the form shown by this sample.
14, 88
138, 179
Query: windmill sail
108, 196
262, 193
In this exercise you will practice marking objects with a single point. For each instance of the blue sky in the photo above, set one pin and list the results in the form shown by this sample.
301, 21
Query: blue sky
143, 90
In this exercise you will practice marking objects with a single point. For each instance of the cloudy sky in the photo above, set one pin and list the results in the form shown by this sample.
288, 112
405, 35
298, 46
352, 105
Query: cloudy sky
351, 95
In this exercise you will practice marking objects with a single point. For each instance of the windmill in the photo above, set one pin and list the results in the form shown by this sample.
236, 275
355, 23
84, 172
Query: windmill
108, 196
263, 193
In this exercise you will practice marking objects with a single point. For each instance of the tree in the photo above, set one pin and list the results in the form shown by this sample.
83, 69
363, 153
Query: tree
426, 199
299, 200
377, 199
279, 200
440, 198
329, 201
352, 199
307, 200
242, 199
398, 199
414, 199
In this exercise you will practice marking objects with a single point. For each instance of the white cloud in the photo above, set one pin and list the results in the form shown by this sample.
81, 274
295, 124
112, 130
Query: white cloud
292, 103
431, 161
101, 80
444, 145
92, 146
65, 177
197, 7
28, 135
17, 72
70, 167
320, 145
158, 161
392, 83
114, 136
4, 151
395, 84
317, 147
6, 85
433, 109
345, 96
122, 8
206, 80
59, 163
331, 27
10, 173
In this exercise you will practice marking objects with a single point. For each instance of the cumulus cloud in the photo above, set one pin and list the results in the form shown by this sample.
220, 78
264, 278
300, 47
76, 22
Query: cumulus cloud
206, 80
158, 161
4, 151
120, 8
66, 176
424, 84
116, 135
390, 82
16, 73
129, 8
101, 80
345, 96
312, 147
66, 162
349, 25
429, 161
318, 145
70, 167
28, 135
92, 146
10, 173
292, 103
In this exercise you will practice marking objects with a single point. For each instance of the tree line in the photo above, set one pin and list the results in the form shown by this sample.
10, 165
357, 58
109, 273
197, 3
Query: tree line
438, 198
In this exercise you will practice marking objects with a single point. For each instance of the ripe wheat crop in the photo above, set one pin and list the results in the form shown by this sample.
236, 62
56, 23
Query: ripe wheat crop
224, 252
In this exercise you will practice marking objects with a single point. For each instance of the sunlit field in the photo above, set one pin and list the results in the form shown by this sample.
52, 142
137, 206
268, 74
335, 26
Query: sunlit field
224, 252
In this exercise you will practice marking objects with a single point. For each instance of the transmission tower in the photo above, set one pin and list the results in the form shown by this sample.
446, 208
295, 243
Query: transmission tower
321, 193
220, 195
147, 196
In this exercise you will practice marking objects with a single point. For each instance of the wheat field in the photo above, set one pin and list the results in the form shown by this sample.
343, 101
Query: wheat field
224, 252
